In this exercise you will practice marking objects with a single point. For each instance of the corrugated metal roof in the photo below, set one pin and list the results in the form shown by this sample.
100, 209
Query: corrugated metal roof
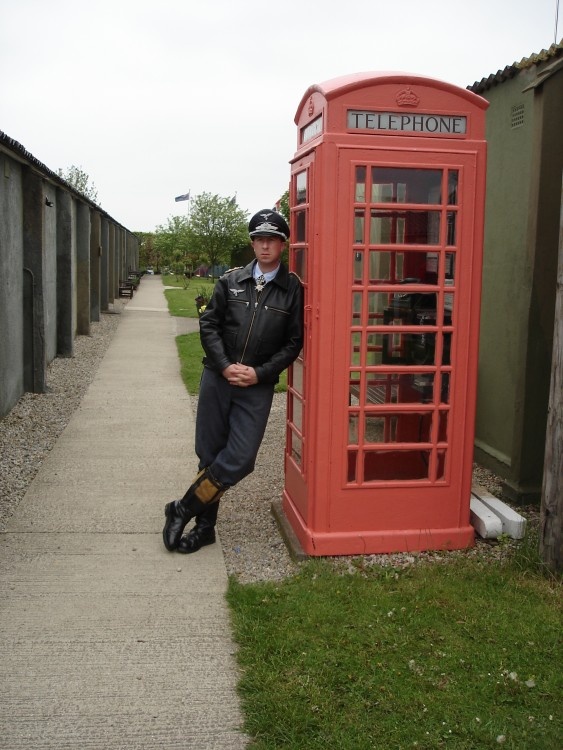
555, 51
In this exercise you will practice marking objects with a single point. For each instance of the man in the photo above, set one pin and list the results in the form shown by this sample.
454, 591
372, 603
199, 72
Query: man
251, 330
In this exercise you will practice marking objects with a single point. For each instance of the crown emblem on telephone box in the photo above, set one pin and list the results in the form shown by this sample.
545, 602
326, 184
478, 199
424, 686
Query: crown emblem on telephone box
407, 98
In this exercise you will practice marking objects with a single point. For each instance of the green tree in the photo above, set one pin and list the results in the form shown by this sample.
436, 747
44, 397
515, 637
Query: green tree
216, 227
172, 243
284, 206
80, 181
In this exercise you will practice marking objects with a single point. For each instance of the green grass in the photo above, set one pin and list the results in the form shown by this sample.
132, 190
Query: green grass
434, 655
181, 302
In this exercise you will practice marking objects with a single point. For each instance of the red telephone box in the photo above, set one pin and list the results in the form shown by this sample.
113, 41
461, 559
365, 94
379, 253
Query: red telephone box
387, 204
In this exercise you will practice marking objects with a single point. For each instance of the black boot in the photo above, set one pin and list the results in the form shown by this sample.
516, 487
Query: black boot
178, 513
204, 491
203, 533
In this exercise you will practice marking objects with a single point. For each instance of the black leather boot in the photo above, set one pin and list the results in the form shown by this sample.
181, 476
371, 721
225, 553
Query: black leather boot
203, 533
178, 513
203, 492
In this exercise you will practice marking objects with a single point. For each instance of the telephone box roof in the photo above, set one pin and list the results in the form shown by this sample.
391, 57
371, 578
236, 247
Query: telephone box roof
337, 86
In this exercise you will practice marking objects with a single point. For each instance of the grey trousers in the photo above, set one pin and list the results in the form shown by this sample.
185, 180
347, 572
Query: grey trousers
230, 425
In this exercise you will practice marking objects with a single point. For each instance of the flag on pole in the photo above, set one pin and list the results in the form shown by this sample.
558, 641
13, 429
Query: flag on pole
185, 197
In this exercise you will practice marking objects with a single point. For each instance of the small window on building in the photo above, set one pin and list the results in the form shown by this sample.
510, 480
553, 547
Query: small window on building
517, 116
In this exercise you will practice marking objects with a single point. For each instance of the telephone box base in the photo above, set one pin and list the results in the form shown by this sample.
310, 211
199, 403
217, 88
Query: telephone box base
372, 541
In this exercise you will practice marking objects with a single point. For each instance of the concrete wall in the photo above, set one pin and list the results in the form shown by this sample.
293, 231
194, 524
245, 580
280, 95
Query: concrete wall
519, 276
11, 281
53, 282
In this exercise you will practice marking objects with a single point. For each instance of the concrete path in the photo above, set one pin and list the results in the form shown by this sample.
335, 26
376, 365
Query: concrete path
108, 640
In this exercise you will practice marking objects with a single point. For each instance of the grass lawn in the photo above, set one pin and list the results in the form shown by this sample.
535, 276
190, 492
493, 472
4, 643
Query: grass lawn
456, 654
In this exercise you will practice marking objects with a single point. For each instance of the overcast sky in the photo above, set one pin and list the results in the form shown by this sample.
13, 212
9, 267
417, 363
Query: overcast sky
155, 99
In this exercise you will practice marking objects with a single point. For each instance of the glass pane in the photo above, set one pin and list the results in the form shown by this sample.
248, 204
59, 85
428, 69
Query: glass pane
386, 192
450, 266
356, 308
447, 346
358, 270
404, 227
297, 412
352, 461
296, 448
445, 389
452, 187
411, 308
441, 456
301, 188
451, 228
374, 349
360, 184
377, 302
395, 388
359, 224
300, 262
386, 465
297, 375
353, 420
406, 349
448, 305
300, 227
443, 426
407, 185
380, 429
395, 267
355, 354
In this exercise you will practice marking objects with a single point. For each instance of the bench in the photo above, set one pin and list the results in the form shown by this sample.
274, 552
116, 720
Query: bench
126, 289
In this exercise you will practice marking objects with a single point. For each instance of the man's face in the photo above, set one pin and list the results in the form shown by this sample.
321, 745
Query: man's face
268, 250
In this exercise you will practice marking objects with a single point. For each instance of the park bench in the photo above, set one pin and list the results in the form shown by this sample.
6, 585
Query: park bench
126, 289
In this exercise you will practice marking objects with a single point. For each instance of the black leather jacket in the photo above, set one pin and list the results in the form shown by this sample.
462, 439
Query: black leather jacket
264, 332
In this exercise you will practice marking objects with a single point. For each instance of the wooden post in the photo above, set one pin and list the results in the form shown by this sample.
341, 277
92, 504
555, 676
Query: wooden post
551, 517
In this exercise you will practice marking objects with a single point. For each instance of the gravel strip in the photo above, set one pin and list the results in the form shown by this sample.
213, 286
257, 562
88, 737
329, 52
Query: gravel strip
252, 545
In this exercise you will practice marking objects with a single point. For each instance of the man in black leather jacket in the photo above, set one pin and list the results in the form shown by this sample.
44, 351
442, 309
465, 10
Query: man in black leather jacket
251, 330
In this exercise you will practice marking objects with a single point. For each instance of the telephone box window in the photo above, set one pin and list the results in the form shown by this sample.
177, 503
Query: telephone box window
400, 185
380, 429
377, 302
445, 389
358, 269
355, 354
388, 465
297, 412
300, 262
374, 348
356, 308
359, 224
404, 227
300, 226
297, 375
386, 193
443, 426
296, 448
451, 217
360, 184
353, 428
301, 188
453, 177
352, 463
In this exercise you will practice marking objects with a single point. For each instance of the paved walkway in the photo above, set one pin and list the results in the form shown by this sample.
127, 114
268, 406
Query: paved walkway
108, 640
